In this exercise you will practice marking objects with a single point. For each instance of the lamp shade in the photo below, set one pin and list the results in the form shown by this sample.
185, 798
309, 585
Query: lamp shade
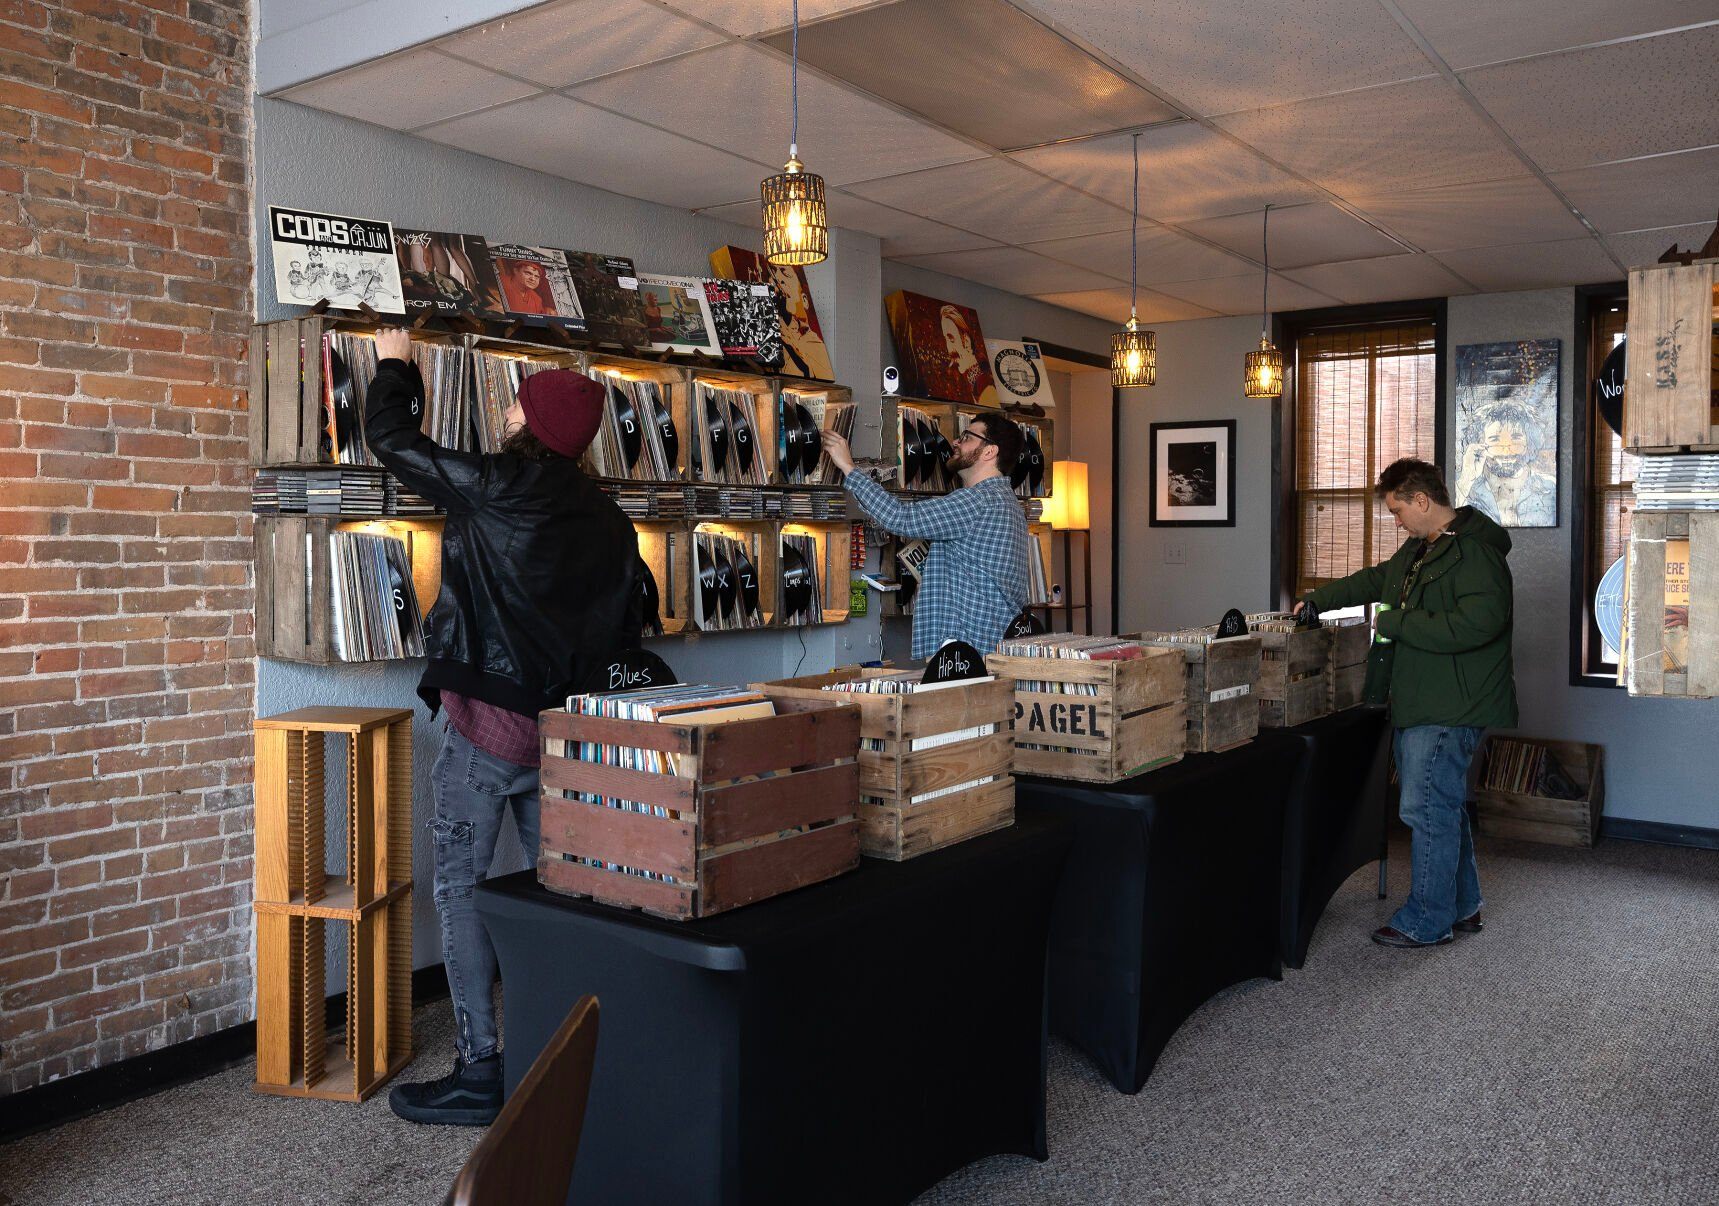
1262, 376
1133, 356
796, 221
1068, 507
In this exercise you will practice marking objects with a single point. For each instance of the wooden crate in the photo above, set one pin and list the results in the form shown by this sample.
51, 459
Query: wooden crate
296, 897
763, 391
1512, 814
294, 582
666, 547
835, 564
1221, 678
1351, 640
286, 417
1294, 673
1671, 638
1099, 722
670, 379
1670, 402
892, 772
726, 837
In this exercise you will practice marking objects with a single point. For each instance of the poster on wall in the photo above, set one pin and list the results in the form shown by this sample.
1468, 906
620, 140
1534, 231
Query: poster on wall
344, 261
745, 316
804, 352
1507, 431
941, 350
446, 274
1019, 371
677, 318
608, 291
536, 287
1193, 479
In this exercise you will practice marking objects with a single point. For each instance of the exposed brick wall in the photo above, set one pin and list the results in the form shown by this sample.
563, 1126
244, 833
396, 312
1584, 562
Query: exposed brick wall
126, 655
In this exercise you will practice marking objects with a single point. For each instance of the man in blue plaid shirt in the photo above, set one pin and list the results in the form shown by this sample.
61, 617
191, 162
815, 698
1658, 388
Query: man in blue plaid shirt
975, 576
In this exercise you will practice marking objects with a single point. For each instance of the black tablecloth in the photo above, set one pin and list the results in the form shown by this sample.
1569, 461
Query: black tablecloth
854, 1041
1171, 893
1337, 816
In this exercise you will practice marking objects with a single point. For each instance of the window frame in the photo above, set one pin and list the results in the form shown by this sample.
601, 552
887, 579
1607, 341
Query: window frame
1286, 330
1582, 578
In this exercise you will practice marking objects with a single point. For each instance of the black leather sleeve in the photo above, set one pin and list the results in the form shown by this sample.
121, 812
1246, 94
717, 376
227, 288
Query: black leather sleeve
393, 418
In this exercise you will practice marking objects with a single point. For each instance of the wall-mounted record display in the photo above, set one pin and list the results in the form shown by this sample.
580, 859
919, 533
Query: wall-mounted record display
637, 438
536, 287
802, 600
725, 582
447, 274
923, 450
677, 317
729, 450
608, 289
347, 262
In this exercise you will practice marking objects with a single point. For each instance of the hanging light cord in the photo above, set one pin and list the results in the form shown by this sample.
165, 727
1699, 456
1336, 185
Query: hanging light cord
794, 87
1133, 237
1265, 282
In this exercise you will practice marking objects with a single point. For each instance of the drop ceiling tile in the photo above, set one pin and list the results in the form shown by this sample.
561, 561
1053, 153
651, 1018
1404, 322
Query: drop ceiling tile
1164, 256
1219, 56
1519, 210
565, 138
1186, 171
561, 44
408, 89
980, 67
1241, 294
1414, 135
1467, 33
736, 97
1389, 278
1012, 270
902, 234
1611, 102
1639, 194
1533, 265
749, 18
996, 198
1639, 248
1300, 235
1112, 305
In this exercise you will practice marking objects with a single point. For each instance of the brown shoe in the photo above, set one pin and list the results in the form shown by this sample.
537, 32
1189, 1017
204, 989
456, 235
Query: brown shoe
1386, 936
1469, 925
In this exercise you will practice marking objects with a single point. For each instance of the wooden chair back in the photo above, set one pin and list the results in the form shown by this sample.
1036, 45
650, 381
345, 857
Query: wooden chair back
526, 1158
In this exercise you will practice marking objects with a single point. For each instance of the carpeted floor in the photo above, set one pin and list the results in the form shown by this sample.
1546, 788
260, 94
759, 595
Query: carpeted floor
1567, 1055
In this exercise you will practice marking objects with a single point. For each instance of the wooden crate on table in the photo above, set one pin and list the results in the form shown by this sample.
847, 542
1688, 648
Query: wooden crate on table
1096, 721
1350, 642
753, 808
1295, 670
296, 897
1221, 678
1507, 806
1670, 403
973, 771
1671, 625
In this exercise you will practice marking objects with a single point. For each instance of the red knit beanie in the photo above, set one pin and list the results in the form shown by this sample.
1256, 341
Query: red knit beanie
563, 409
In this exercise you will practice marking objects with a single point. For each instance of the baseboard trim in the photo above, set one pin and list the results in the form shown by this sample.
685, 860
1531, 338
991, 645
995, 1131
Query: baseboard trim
1659, 833
62, 1101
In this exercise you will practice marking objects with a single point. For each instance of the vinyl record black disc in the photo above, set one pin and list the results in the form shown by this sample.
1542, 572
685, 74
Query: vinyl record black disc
1018, 475
796, 582
747, 577
909, 586
346, 434
1035, 457
806, 436
716, 423
627, 425
653, 624
726, 591
665, 427
707, 595
918, 460
744, 439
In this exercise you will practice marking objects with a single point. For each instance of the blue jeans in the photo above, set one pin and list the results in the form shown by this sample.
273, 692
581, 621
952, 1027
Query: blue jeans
1432, 767
472, 790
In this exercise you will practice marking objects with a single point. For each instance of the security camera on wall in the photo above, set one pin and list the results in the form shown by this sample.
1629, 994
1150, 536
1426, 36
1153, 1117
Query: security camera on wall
891, 379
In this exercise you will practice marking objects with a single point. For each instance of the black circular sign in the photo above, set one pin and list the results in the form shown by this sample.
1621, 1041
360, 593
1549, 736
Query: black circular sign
1609, 388
955, 660
1024, 625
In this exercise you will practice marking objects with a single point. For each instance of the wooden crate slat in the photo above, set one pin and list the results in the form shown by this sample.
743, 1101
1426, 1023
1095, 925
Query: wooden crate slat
772, 868
257, 396
762, 807
751, 747
898, 834
617, 835
951, 710
618, 782
283, 397
309, 339
1667, 370
674, 901
602, 730
959, 762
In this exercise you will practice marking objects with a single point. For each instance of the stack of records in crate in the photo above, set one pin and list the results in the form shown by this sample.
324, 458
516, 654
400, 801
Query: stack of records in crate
802, 592
637, 439
923, 450
1686, 481
1073, 647
800, 450
908, 682
375, 608
725, 583
349, 366
1037, 589
727, 448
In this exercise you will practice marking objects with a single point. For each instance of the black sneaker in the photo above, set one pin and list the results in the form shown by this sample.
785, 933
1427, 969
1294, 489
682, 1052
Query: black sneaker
470, 1095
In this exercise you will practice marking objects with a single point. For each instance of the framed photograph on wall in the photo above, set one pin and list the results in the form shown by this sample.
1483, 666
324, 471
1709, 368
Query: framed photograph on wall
1507, 431
1194, 474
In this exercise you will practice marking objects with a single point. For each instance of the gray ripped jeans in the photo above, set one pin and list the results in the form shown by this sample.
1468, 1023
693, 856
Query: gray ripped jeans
473, 788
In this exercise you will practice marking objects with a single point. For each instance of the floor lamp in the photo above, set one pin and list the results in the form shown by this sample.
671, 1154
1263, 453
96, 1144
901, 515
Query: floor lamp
1068, 512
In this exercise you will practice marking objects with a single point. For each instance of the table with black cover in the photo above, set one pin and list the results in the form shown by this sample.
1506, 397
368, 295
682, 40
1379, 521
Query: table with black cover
854, 1041
1171, 894
1338, 811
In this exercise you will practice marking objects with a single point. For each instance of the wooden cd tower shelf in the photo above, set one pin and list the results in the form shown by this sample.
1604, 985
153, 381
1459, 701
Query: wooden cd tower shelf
297, 898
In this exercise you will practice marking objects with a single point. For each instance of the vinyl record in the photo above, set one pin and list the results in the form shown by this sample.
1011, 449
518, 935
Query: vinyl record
707, 595
627, 425
796, 582
909, 586
747, 578
670, 437
1035, 457
742, 433
1018, 475
917, 461
943, 448
716, 423
726, 590
652, 609
804, 437
346, 434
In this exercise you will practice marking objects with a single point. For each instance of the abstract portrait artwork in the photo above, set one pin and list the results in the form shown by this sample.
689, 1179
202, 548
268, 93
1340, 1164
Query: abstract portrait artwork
941, 350
1507, 432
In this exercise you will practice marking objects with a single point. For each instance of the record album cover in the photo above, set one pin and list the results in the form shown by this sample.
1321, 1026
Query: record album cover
536, 286
941, 350
608, 289
344, 261
745, 316
677, 318
447, 274
1019, 371
804, 353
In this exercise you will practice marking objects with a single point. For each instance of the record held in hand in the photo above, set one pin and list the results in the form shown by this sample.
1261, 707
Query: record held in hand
707, 595
670, 437
747, 576
652, 624
726, 591
716, 423
345, 407
796, 582
627, 426
1035, 457
742, 432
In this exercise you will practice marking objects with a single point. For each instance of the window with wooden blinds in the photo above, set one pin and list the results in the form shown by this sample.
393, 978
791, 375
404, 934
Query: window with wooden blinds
1364, 396
1611, 487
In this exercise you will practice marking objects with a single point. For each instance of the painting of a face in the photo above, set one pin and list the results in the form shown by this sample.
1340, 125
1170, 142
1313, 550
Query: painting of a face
1506, 448
956, 343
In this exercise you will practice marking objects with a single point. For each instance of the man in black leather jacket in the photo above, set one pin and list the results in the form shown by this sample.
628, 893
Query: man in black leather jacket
539, 588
